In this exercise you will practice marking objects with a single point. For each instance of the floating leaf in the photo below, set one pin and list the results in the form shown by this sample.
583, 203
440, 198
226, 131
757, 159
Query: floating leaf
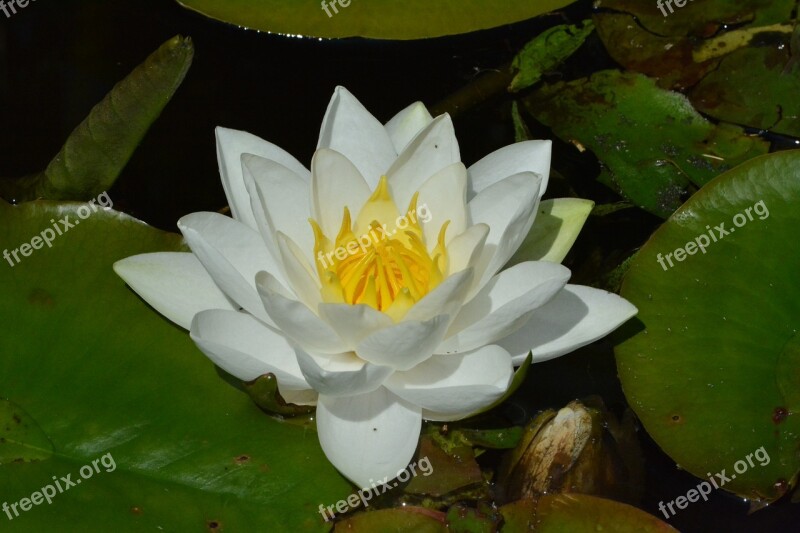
21, 438
100, 147
578, 513
378, 19
753, 87
101, 373
264, 392
449, 471
664, 42
402, 520
681, 150
713, 376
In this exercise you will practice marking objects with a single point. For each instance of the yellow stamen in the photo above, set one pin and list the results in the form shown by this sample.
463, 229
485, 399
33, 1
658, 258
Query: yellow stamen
381, 259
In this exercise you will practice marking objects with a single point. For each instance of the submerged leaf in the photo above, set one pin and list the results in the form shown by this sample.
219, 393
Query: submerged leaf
100, 147
545, 52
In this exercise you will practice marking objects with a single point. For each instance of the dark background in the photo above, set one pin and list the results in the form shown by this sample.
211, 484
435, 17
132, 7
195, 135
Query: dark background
59, 58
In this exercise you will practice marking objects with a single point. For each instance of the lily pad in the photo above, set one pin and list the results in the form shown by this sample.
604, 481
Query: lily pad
666, 43
754, 87
21, 438
680, 152
713, 375
378, 19
578, 513
100, 373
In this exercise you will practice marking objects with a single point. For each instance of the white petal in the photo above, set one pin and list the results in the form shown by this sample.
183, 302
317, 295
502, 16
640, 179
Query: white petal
352, 131
445, 299
280, 199
465, 249
335, 184
353, 322
174, 283
443, 198
246, 348
368, 437
232, 253
504, 305
453, 385
341, 375
405, 125
432, 150
526, 156
302, 279
296, 320
231, 144
552, 235
508, 207
405, 345
577, 316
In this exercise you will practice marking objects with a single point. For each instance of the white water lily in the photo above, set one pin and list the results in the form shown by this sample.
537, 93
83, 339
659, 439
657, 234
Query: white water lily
417, 320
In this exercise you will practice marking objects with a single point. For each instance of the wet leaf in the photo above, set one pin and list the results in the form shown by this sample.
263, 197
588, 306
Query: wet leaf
680, 152
21, 438
717, 360
264, 392
449, 471
101, 373
463, 519
753, 87
578, 513
402, 520
663, 43
378, 19
100, 147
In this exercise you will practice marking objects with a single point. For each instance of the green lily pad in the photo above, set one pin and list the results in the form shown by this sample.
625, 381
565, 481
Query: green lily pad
100, 147
103, 376
681, 150
21, 438
378, 19
714, 374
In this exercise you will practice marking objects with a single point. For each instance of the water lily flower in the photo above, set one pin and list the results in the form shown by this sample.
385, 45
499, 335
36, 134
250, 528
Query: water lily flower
372, 285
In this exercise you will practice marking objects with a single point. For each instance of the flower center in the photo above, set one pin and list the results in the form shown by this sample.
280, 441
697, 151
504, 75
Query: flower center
382, 259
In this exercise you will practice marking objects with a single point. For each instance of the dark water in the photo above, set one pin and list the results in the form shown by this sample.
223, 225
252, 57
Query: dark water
58, 58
